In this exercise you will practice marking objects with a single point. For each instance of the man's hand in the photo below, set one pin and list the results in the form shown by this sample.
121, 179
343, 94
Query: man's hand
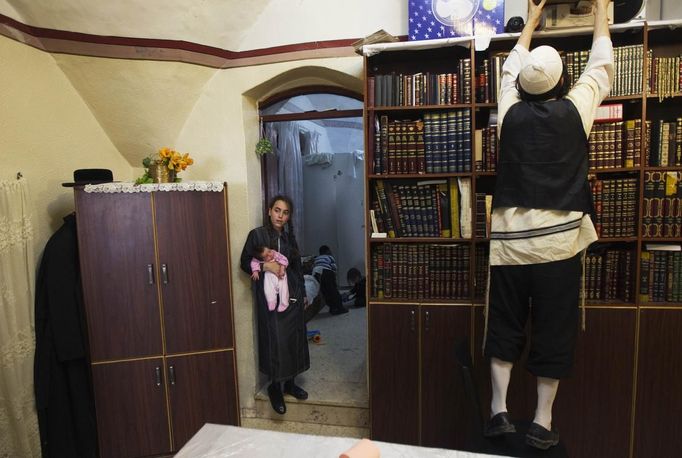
601, 19
282, 272
601, 3
532, 21
535, 12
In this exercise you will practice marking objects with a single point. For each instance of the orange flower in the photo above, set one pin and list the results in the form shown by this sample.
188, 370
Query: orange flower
165, 152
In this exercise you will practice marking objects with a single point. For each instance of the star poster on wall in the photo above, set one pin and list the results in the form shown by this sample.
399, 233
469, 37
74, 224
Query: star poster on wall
435, 19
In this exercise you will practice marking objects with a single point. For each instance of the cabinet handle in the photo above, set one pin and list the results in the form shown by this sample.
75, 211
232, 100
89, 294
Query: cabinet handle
150, 273
413, 326
164, 274
157, 370
427, 321
171, 374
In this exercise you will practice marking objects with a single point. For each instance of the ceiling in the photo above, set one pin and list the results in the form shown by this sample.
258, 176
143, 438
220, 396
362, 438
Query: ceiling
130, 98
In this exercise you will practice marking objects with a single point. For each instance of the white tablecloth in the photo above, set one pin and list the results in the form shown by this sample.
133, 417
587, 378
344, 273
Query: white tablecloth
219, 441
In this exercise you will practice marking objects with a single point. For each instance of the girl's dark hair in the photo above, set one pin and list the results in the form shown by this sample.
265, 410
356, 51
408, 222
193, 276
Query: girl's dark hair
559, 91
289, 203
290, 222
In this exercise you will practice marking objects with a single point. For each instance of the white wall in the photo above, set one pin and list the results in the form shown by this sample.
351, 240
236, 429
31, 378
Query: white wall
334, 212
46, 132
48, 126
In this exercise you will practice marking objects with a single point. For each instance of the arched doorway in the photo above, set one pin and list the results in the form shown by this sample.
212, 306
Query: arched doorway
318, 160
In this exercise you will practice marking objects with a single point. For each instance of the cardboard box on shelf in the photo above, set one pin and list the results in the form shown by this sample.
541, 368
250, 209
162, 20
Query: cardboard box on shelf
564, 15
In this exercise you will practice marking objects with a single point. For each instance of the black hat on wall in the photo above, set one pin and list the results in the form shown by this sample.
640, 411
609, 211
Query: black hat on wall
90, 176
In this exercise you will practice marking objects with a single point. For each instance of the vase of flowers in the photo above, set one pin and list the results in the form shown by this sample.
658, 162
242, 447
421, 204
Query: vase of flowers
160, 173
164, 167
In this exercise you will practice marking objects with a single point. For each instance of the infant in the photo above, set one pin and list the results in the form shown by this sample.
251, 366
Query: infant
273, 284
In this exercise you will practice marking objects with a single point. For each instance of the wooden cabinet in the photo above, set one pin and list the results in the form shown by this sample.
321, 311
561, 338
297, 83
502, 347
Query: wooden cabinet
415, 385
156, 284
394, 372
431, 151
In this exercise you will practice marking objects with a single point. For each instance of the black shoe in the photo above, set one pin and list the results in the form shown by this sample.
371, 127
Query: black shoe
499, 424
276, 398
338, 311
540, 437
295, 390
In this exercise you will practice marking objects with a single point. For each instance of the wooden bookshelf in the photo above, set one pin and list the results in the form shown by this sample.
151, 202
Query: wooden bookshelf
618, 355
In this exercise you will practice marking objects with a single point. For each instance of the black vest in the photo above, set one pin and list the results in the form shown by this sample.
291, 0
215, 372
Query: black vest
543, 160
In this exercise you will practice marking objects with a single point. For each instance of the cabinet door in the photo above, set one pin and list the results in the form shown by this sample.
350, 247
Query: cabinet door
191, 229
659, 404
130, 402
202, 390
446, 413
116, 243
394, 372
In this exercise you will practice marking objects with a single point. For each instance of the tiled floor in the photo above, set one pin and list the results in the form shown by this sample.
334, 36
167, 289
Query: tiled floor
337, 373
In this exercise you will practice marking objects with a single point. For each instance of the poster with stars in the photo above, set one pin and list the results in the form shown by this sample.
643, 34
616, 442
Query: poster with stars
435, 19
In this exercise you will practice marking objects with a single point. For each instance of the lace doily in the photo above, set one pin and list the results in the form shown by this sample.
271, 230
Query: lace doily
213, 186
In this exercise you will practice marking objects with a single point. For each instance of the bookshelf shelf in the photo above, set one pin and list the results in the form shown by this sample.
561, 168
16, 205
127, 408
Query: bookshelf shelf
615, 170
673, 168
653, 95
419, 108
662, 305
610, 303
623, 98
634, 302
418, 176
616, 239
439, 240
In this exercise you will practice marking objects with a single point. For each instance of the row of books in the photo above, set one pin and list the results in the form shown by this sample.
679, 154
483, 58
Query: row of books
440, 143
609, 275
420, 89
486, 149
664, 75
420, 271
439, 271
660, 274
481, 256
615, 204
429, 208
615, 144
488, 78
628, 65
664, 143
483, 204
662, 212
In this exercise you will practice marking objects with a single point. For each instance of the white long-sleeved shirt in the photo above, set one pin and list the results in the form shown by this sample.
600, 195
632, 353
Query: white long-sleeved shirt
534, 236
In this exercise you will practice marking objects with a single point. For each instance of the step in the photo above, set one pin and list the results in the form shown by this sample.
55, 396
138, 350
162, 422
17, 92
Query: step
314, 412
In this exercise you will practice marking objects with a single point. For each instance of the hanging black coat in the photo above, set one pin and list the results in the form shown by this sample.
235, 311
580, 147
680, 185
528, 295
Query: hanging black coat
282, 340
64, 401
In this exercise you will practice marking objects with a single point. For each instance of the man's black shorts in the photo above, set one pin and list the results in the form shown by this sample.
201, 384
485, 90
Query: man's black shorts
549, 294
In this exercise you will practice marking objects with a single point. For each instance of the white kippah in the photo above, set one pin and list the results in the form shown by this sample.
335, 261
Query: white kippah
542, 71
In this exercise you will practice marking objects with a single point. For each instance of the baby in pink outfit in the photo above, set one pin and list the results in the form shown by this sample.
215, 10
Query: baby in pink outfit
272, 283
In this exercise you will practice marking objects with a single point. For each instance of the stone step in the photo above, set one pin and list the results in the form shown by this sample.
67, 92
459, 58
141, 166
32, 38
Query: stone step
305, 428
313, 412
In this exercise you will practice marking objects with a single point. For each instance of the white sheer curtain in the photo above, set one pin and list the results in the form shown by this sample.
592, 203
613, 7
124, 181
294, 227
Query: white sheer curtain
18, 421
290, 171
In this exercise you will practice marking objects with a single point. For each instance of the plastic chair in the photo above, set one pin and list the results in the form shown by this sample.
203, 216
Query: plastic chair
508, 444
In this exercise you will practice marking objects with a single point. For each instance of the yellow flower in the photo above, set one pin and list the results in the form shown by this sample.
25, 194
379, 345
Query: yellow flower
165, 152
